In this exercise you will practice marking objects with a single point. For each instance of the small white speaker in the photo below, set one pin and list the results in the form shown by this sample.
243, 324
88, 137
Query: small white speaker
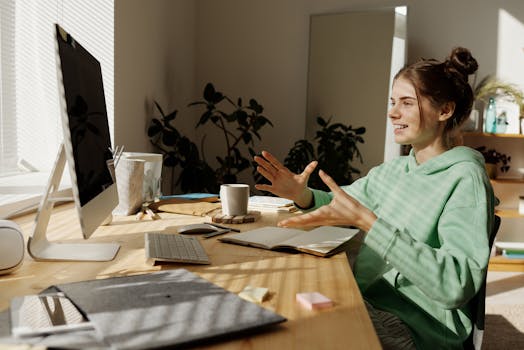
11, 246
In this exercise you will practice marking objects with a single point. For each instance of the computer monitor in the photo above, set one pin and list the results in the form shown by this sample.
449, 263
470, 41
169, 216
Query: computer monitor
86, 149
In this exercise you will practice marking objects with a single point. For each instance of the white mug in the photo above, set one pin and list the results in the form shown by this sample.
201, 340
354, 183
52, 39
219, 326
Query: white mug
234, 198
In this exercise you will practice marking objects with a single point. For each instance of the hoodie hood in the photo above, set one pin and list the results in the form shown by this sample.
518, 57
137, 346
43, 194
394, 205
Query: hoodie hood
445, 160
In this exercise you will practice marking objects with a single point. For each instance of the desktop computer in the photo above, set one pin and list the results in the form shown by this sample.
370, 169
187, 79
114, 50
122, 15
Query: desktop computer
86, 149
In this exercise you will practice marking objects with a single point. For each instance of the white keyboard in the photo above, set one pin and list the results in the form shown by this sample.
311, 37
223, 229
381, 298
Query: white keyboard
174, 248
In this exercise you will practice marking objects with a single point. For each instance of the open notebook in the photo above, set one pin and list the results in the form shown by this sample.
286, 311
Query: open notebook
321, 241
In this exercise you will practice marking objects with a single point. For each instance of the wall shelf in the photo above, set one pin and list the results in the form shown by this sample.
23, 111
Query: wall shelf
501, 263
508, 213
507, 181
485, 134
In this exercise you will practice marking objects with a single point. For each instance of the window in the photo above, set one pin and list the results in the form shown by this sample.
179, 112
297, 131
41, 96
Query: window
31, 130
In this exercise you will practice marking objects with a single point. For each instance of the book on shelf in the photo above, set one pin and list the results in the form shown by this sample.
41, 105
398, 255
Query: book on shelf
269, 203
322, 241
513, 254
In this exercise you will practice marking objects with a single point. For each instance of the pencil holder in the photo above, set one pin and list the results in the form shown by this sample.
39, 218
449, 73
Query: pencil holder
129, 180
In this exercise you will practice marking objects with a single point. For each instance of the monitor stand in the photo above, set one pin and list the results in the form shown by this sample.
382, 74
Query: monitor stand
41, 249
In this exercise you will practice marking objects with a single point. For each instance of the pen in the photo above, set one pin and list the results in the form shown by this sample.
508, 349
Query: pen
224, 227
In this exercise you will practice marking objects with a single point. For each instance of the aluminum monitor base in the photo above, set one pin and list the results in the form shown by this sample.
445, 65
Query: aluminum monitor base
39, 247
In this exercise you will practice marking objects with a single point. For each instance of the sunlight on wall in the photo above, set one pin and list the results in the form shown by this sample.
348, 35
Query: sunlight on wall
398, 60
510, 50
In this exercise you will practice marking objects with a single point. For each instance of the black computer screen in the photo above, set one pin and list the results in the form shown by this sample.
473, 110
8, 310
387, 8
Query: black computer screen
87, 115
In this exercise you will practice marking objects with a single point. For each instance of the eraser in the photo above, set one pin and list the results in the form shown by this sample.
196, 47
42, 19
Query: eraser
314, 300
254, 294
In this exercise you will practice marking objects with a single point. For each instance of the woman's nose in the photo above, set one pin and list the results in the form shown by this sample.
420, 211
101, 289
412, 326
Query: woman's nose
392, 112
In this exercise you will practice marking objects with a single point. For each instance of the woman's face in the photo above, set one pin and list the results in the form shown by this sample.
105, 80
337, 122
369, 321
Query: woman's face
419, 128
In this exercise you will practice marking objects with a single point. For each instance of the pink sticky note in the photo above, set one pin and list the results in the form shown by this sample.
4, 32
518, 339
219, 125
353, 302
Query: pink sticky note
314, 300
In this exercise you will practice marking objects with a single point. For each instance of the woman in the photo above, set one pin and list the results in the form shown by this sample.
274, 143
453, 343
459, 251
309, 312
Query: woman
426, 216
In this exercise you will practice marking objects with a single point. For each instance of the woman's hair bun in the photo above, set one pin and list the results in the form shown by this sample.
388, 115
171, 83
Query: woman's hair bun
461, 61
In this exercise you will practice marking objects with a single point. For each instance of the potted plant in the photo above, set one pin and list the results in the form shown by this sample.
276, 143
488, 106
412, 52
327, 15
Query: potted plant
337, 149
492, 158
491, 86
180, 152
240, 125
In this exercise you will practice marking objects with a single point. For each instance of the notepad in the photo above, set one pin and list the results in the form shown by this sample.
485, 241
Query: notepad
314, 300
273, 204
254, 294
321, 241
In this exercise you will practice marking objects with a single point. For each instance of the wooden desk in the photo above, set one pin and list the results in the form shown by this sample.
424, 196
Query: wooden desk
346, 325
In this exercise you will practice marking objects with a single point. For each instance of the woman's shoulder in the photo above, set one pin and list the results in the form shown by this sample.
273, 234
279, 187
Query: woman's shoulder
468, 158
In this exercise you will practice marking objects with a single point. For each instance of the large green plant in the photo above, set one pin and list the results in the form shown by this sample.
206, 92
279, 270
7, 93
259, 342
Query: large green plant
240, 126
180, 152
336, 150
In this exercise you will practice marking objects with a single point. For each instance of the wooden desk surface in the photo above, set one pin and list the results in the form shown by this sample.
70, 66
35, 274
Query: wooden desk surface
345, 325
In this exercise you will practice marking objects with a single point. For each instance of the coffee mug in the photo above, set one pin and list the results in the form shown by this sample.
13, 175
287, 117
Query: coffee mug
234, 198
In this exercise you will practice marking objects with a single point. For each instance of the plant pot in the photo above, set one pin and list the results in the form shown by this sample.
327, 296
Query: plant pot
491, 170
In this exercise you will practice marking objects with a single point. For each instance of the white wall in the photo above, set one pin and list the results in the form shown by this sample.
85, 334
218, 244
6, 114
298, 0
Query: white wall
154, 60
169, 49
261, 48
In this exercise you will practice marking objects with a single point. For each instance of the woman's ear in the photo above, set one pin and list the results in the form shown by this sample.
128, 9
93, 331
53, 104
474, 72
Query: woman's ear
446, 111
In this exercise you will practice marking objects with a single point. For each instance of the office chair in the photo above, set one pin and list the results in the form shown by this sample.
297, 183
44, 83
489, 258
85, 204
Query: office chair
475, 339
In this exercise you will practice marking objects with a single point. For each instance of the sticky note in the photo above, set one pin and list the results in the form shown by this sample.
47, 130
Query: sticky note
253, 294
314, 300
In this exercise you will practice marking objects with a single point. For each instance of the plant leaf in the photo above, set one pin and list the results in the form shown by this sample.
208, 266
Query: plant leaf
171, 116
204, 118
154, 128
170, 160
159, 108
360, 131
169, 138
209, 92
253, 105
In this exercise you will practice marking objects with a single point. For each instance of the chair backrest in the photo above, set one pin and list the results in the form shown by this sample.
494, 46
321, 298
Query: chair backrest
475, 340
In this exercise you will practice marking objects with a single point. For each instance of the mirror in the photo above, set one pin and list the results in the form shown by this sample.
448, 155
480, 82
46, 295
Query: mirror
352, 59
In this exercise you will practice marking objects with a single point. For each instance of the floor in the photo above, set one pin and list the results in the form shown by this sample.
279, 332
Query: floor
505, 288
504, 328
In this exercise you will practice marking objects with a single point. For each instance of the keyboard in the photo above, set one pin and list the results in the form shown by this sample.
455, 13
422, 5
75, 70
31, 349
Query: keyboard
174, 248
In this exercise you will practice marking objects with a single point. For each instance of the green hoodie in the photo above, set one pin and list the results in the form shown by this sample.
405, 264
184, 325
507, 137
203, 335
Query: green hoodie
426, 255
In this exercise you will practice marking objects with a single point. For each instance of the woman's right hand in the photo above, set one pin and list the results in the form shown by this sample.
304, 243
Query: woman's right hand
285, 183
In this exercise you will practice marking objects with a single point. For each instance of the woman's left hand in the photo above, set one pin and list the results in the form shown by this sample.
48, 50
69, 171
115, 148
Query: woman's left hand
342, 210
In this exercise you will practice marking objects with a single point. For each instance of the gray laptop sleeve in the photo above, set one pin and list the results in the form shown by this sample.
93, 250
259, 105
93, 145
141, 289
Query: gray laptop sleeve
160, 309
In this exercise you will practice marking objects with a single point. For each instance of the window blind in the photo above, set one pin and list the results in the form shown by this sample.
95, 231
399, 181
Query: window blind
30, 114
8, 141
